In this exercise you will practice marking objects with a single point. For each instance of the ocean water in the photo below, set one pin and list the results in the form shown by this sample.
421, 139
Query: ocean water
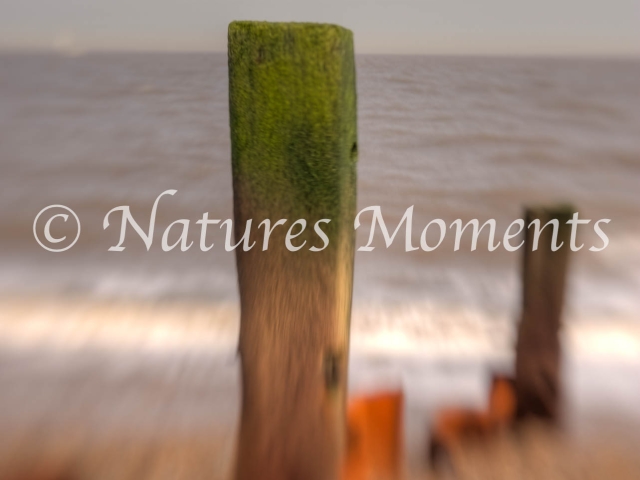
143, 342
457, 137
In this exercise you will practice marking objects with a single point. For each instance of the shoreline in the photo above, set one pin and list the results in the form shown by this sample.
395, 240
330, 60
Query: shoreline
167, 372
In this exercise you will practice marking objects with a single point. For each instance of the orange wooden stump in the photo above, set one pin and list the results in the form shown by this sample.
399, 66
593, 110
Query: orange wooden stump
452, 428
375, 428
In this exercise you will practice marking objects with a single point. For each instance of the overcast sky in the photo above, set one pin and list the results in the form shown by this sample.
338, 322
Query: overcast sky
560, 27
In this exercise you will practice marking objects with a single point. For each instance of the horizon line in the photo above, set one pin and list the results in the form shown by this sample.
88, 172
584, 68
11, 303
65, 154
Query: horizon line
107, 51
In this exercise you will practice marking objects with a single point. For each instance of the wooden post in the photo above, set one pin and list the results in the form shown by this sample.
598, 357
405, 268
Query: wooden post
538, 354
376, 434
294, 152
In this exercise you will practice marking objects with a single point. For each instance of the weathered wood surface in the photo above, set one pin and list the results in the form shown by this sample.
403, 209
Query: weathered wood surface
294, 151
538, 352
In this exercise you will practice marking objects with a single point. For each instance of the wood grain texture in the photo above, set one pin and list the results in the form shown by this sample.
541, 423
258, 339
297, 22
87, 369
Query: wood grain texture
294, 152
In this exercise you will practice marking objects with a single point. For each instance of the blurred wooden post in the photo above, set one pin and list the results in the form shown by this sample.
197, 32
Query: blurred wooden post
294, 151
538, 355
376, 434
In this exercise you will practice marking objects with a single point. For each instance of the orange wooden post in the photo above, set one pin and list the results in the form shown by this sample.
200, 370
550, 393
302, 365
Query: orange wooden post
375, 442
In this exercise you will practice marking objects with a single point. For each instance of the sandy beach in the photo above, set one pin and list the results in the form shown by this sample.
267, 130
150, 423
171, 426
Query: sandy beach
119, 390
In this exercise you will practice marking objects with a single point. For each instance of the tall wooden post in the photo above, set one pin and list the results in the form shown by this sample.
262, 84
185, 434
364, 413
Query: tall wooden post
294, 151
538, 353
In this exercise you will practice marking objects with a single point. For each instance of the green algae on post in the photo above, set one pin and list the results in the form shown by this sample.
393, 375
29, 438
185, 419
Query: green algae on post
292, 102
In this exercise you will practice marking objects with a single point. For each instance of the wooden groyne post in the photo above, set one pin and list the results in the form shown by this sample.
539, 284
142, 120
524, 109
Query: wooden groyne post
294, 150
538, 352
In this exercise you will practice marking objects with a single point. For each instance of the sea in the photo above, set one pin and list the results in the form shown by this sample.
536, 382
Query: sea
455, 137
